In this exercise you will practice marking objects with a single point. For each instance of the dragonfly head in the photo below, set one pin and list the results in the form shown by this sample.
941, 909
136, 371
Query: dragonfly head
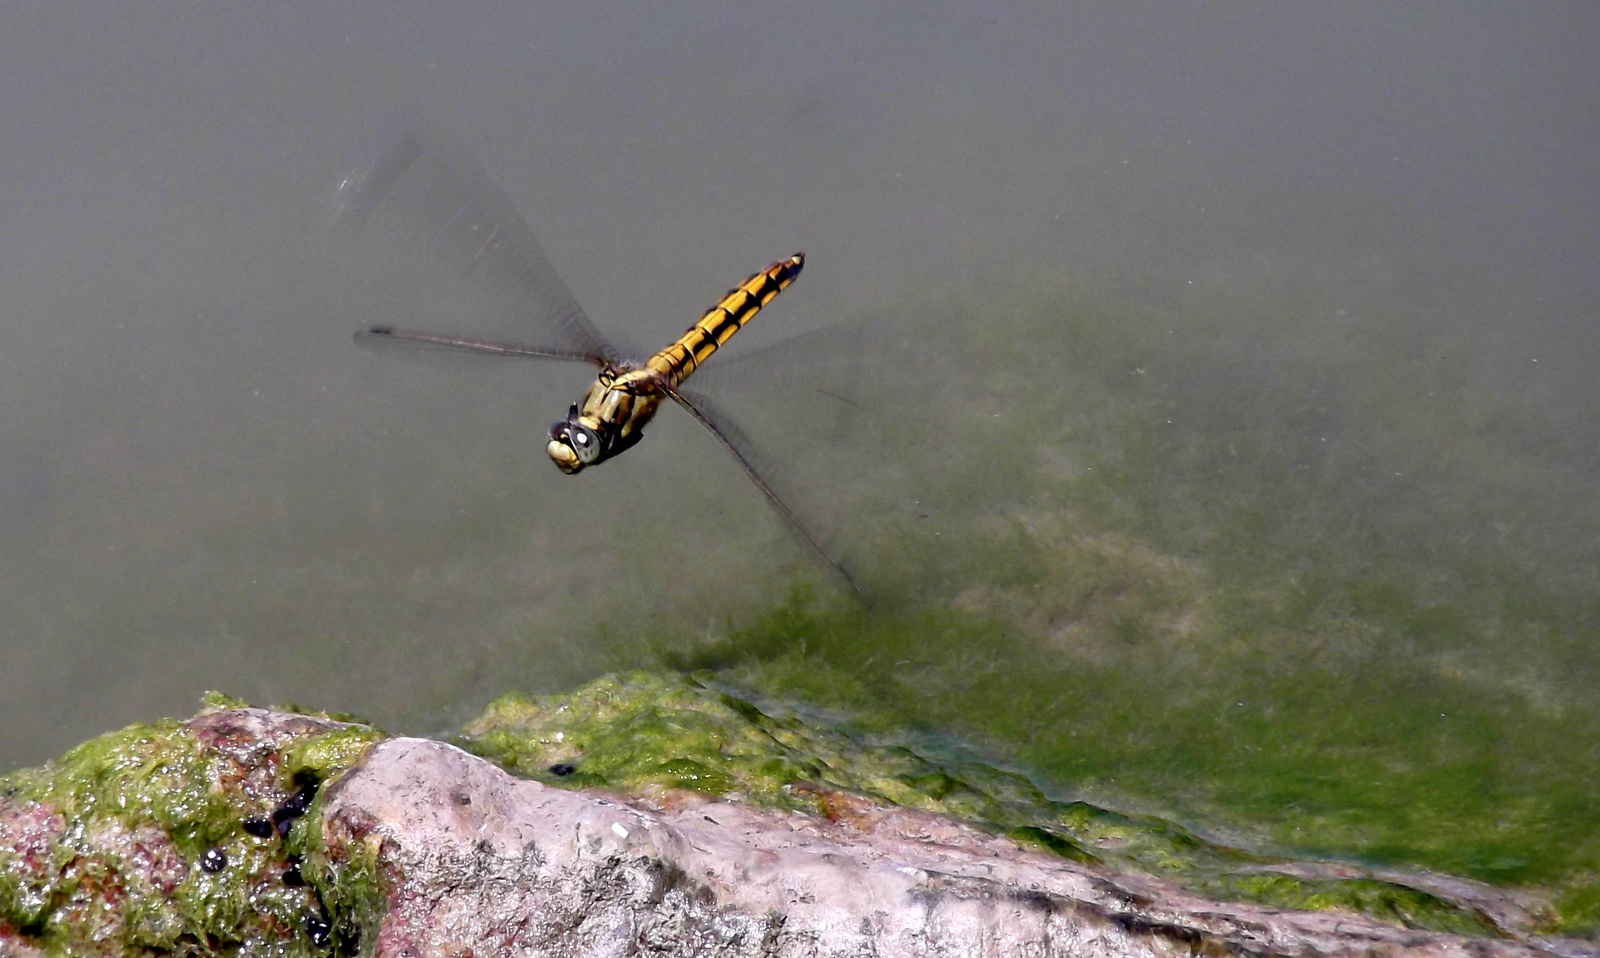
572, 444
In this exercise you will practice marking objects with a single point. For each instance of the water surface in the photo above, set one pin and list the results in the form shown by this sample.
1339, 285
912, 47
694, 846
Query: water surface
1232, 449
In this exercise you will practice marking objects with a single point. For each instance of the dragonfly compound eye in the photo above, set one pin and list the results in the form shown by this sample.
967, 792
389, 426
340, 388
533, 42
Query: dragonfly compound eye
584, 442
573, 446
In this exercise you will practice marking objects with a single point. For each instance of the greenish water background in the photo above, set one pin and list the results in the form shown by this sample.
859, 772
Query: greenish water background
1226, 448
1299, 592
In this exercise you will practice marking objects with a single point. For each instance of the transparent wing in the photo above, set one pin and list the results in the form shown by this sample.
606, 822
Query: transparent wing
425, 188
841, 419
755, 466
428, 345
835, 361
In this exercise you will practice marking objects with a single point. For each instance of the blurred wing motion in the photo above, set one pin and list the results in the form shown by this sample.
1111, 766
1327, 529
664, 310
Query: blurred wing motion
751, 461
387, 337
432, 190
424, 188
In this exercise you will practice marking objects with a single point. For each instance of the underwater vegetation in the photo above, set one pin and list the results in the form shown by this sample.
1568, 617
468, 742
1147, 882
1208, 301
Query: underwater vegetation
1282, 571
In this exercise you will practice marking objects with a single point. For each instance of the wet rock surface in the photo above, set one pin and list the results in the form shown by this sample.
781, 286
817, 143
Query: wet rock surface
649, 815
484, 863
136, 842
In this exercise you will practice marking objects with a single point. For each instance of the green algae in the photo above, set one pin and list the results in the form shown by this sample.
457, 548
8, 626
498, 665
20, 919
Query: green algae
1576, 908
630, 732
111, 839
1283, 567
143, 773
72, 891
1205, 589
1387, 901
320, 757
1388, 781
349, 884
625, 733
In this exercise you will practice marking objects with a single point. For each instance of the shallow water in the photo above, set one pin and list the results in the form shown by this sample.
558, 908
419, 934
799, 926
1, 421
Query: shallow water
1226, 448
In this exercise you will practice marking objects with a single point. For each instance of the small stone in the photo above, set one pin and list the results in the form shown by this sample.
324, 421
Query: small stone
318, 930
283, 818
213, 861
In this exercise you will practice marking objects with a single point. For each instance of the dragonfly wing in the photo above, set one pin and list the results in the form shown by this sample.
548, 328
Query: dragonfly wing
427, 189
748, 456
428, 345
833, 361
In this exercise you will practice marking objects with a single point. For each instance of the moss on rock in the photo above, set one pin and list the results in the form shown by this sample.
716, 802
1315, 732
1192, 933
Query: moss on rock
203, 837
172, 838
630, 733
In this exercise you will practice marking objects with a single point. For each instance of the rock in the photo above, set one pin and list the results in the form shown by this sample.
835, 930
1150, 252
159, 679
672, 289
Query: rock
137, 842
650, 815
478, 862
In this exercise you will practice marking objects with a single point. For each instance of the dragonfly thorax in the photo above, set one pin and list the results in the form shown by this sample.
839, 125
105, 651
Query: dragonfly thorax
610, 419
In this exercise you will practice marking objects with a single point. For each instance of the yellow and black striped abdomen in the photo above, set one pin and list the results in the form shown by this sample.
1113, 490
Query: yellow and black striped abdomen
718, 325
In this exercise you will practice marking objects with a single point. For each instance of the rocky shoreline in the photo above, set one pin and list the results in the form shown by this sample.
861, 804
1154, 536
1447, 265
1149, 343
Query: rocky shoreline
250, 831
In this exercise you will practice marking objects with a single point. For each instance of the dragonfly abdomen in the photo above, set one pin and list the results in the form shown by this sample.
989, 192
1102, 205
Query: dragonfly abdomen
717, 326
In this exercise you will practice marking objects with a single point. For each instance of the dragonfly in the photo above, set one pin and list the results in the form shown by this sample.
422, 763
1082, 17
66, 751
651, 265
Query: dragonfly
439, 193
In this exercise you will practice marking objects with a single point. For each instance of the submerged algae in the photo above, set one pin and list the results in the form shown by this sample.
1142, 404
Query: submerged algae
1254, 561
643, 731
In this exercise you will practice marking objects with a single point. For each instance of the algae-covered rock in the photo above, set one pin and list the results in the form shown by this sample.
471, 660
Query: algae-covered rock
642, 731
653, 813
478, 862
171, 838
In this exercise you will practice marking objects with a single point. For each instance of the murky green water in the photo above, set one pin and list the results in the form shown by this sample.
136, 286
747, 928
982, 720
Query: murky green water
1262, 566
1219, 442
1256, 566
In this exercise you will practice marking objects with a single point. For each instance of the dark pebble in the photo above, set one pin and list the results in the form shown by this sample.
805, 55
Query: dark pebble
318, 929
562, 769
259, 827
213, 861
300, 800
283, 818
292, 876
